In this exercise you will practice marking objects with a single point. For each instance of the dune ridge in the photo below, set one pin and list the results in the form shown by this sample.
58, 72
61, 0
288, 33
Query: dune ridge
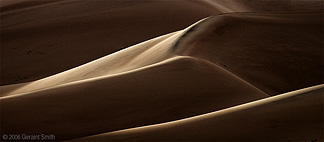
159, 49
252, 71
112, 107
274, 61
12, 6
202, 126
134, 57
32, 40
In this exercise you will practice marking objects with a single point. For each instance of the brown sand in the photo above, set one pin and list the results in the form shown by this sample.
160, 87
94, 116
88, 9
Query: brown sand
177, 88
293, 116
275, 52
51, 38
187, 84
132, 58
273, 6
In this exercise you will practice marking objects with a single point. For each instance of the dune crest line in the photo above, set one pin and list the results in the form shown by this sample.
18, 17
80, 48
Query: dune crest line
141, 133
126, 60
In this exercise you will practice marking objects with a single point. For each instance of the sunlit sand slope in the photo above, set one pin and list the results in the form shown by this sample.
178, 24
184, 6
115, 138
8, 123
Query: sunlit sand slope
293, 116
177, 88
135, 57
40, 38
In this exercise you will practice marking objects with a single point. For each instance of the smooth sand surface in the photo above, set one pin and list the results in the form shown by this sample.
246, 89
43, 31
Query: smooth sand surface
137, 56
41, 41
273, 6
105, 70
275, 52
14, 6
286, 58
4, 3
177, 88
293, 116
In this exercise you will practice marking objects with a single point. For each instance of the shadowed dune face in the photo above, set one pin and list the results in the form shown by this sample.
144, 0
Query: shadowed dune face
12, 5
277, 53
133, 58
113, 64
38, 38
293, 116
272, 6
177, 89
284, 5
39, 41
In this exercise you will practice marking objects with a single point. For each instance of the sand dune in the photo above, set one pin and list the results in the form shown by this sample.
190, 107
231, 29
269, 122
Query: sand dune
266, 61
293, 116
42, 41
135, 57
106, 70
178, 88
275, 52
38, 37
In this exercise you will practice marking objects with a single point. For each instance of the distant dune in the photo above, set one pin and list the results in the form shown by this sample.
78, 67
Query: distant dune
209, 70
268, 6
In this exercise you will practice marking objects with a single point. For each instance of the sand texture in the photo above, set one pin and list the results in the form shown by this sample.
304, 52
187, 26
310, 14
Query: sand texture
207, 70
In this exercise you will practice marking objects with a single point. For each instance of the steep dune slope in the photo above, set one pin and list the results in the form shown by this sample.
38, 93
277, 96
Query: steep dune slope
51, 38
174, 89
135, 57
275, 52
293, 116
280, 53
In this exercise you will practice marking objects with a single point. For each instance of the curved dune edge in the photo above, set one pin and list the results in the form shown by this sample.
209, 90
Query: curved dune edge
195, 128
220, 7
96, 28
9, 7
135, 49
121, 95
32, 86
159, 49
154, 51
178, 88
132, 58
270, 50
166, 61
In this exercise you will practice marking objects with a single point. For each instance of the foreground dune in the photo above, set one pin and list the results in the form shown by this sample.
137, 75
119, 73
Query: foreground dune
174, 89
293, 116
